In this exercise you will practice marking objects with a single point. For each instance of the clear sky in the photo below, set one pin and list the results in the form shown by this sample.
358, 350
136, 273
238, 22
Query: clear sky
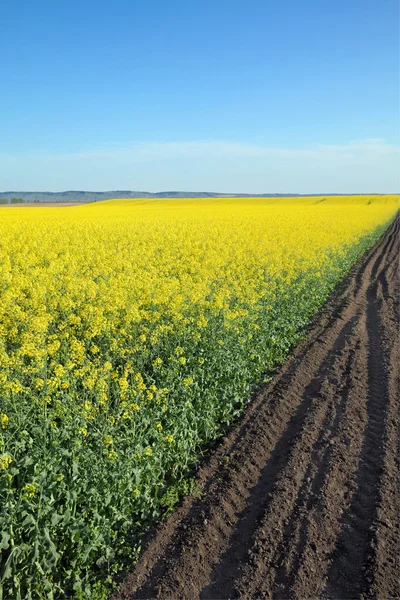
200, 95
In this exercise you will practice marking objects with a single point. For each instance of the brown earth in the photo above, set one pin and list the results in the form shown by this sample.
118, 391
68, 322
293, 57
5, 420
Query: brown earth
301, 499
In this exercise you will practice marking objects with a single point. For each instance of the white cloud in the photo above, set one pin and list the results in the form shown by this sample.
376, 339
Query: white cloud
220, 148
369, 165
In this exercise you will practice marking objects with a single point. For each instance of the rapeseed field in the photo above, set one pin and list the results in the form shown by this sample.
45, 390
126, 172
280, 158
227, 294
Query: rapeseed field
132, 334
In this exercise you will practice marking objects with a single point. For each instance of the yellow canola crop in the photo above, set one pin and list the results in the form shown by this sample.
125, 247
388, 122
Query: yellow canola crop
72, 274
131, 333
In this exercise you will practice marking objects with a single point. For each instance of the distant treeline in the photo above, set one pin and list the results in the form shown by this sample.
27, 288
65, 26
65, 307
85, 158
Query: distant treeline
14, 197
13, 200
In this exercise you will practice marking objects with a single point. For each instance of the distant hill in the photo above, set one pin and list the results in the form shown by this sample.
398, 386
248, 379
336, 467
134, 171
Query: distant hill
82, 196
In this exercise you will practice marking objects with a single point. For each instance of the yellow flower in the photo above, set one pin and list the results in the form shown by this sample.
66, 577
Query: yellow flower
89, 382
59, 370
53, 347
139, 382
123, 384
39, 383
112, 454
83, 431
74, 319
157, 363
4, 420
5, 461
30, 490
108, 440
169, 438
15, 386
202, 322
159, 427
148, 451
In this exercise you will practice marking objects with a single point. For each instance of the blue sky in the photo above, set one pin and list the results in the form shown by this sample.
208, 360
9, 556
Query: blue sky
256, 96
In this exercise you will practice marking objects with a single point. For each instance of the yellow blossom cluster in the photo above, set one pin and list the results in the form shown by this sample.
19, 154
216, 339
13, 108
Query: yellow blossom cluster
5, 461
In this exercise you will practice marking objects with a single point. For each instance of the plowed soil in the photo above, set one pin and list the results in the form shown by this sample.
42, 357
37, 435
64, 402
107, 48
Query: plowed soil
301, 499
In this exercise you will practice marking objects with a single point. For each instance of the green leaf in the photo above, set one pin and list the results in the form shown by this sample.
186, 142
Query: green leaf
56, 518
51, 544
5, 537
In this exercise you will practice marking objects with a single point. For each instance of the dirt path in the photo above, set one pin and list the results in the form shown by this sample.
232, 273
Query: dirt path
301, 499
